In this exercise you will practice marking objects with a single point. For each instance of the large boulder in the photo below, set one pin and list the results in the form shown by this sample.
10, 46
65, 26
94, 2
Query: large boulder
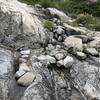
19, 25
6, 72
74, 43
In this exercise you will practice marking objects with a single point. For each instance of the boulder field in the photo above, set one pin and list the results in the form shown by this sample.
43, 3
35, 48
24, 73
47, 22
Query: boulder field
61, 63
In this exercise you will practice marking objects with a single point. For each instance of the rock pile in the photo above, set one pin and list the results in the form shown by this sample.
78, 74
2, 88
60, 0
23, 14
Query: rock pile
24, 76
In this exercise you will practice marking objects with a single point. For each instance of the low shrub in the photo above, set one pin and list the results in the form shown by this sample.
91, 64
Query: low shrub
48, 24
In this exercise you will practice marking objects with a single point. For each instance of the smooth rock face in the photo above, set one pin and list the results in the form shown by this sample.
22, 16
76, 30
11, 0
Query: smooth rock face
47, 58
19, 25
75, 43
68, 62
6, 72
59, 30
26, 79
92, 51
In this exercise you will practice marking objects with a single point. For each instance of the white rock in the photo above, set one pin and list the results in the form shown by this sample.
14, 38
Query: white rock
25, 56
81, 55
75, 43
25, 52
48, 59
51, 59
59, 56
68, 62
23, 66
42, 57
26, 79
60, 63
21, 60
19, 73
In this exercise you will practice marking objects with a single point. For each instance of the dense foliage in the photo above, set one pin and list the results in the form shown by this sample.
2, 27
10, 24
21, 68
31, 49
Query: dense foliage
71, 6
74, 8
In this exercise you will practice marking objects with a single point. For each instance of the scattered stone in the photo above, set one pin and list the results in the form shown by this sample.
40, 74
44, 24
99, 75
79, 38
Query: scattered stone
26, 79
59, 56
25, 52
84, 38
50, 59
58, 47
47, 58
25, 56
19, 73
42, 58
60, 63
23, 66
95, 43
81, 55
91, 51
68, 62
50, 47
75, 43
59, 30
60, 38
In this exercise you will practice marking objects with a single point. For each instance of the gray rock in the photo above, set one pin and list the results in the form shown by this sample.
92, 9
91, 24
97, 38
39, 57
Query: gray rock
86, 76
6, 72
60, 30
24, 67
75, 43
68, 62
25, 52
47, 58
81, 55
58, 47
60, 63
59, 56
19, 73
50, 59
60, 38
46, 88
95, 43
50, 47
22, 60
26, 79
91, 51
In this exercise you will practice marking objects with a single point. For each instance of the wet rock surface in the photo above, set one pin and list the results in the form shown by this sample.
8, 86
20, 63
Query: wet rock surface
41, 64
